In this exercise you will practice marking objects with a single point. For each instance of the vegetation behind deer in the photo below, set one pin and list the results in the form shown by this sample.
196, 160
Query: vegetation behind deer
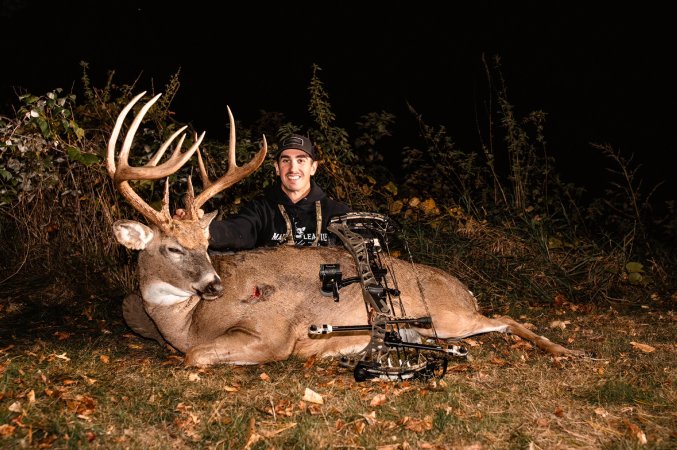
500, 217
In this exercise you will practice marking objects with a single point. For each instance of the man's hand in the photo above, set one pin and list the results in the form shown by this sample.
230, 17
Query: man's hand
181, 214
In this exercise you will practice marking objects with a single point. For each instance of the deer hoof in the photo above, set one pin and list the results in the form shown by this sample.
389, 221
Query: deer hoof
197, 358
191, 359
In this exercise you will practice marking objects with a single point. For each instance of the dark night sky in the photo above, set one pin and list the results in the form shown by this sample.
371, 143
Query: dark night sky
603, 75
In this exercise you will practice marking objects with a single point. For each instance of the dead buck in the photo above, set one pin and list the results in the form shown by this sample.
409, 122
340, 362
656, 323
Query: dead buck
256, 306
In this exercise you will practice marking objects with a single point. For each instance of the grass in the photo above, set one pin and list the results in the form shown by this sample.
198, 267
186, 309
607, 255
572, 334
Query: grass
75, 377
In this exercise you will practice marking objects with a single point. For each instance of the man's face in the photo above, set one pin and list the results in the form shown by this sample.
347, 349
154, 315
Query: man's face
295, 168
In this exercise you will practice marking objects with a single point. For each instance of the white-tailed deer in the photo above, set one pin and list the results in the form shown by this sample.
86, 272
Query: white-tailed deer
256, 306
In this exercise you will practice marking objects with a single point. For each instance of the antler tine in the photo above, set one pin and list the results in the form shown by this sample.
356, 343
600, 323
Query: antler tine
122, 173
206, 182
161, 151
110, 160
231, 142
234, 173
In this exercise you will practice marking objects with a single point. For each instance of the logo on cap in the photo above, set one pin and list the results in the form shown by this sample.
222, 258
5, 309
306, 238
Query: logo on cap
293, 142
298, 142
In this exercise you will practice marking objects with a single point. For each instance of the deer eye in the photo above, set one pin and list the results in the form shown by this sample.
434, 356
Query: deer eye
176, 250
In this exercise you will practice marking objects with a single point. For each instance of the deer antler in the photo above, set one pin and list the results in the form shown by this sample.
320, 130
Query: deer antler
122, 173
234, 174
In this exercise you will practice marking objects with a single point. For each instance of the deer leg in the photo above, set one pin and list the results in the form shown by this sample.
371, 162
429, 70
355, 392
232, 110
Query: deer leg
138, 319
240, 347
542, 342
471, 325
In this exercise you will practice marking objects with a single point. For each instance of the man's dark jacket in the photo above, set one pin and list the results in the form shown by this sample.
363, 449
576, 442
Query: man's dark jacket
261, 223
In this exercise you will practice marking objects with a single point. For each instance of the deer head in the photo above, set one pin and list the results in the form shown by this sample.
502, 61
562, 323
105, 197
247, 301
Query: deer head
173, 250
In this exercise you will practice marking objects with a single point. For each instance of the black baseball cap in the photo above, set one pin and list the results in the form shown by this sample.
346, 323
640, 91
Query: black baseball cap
297, 142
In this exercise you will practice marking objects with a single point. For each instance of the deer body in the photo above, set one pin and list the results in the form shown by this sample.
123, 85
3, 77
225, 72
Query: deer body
272, 295
257, 306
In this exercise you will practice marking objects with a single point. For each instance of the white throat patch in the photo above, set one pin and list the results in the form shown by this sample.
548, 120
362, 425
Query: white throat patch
162, 293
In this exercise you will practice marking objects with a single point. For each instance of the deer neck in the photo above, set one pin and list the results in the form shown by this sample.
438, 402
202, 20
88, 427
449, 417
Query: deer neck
175, 321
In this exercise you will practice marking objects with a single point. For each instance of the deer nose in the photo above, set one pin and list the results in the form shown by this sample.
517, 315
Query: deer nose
213, 289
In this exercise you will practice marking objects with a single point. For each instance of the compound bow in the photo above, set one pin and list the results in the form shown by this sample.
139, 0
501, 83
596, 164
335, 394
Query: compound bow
396, 351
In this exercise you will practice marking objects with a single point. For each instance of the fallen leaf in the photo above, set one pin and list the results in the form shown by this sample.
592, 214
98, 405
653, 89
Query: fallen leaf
6, 430
310, 362
104, 359
636, 432
282, 408
4, 349
271, 433
560, 299
61, 356
436, 385
370, 417
561, 324
193, 376
313, 397
81, 405
378, 400
559, 412
314, 409
643, 347
601, 412
230, 389
418, 425
253, 439
522, 344
264, 376
398, 392
88, 380
459, 368
15, 407
62, 335
428, 206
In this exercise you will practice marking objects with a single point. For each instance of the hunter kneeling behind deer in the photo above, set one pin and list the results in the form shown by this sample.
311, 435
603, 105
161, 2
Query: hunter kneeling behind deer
256, 306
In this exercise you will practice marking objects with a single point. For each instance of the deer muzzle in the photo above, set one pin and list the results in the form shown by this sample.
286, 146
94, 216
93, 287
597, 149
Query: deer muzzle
211, 290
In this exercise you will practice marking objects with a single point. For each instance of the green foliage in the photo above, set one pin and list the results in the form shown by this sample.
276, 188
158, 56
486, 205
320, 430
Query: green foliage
499, 214
340, 171
456, 173
36, 144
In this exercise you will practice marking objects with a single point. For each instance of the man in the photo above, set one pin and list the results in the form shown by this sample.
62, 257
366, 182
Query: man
293, 211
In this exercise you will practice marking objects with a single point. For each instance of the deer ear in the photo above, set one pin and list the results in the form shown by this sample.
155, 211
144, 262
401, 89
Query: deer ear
131, 234
206, 219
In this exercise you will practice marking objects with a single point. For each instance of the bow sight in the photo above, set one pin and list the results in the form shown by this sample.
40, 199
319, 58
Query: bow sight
396, 350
